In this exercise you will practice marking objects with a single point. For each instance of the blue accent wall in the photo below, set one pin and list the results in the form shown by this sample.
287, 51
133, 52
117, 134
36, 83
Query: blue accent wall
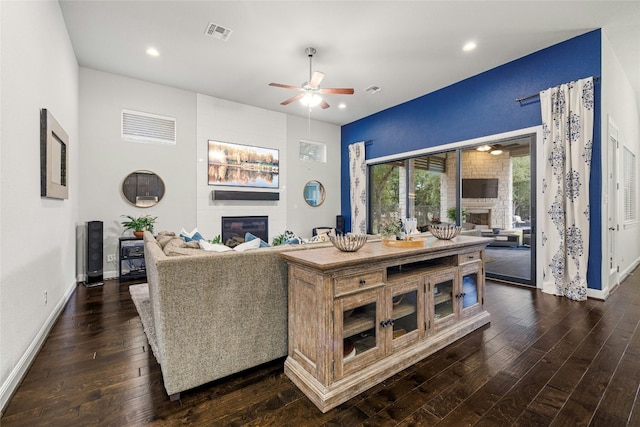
485, 105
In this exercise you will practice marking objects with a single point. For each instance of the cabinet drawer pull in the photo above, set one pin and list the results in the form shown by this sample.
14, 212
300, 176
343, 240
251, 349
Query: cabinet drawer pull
363, 282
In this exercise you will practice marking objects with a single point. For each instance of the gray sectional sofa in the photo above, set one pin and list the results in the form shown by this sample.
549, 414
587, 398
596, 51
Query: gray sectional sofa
215, 313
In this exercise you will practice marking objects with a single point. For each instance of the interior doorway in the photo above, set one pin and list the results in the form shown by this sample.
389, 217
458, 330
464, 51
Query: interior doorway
611, 201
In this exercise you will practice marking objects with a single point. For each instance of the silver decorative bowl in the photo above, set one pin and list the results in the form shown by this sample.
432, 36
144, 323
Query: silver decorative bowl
445, 232
349, 242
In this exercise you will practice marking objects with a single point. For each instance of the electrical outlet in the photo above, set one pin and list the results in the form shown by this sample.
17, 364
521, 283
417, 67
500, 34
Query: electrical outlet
111, 258
45, 297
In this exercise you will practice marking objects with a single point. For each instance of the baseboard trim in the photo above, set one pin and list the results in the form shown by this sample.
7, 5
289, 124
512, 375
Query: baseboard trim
624, 274
10, 386
106, 275
598, 294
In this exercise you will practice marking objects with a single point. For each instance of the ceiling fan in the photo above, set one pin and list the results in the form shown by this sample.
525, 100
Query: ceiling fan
310, 90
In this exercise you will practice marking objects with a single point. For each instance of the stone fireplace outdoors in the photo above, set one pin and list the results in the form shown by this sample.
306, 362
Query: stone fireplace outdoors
235, 227
479, 216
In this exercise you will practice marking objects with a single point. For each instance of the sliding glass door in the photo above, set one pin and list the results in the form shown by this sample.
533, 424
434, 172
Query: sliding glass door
486, 189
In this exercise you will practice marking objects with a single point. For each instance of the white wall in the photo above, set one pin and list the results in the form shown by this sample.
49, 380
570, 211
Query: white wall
301, 217
228, 121
39, 70
107, 159
619, 105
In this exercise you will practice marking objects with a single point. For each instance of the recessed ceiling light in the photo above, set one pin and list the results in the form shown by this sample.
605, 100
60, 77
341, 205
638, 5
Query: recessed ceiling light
152, 51
342, 105
469, 46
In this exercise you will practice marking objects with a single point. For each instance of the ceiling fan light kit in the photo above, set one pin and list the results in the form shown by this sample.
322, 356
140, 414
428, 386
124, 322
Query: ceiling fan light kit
311, 90
495, 150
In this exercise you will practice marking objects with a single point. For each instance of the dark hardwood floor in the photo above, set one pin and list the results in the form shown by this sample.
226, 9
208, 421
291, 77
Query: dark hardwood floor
542, 361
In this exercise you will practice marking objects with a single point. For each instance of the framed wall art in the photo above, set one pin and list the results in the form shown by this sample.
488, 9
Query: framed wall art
54, 158
242, 165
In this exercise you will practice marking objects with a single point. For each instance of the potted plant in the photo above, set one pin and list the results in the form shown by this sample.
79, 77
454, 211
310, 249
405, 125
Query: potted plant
139, 224
391, 229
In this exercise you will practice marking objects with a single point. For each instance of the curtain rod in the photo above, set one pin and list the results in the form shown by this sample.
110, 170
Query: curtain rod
524, 98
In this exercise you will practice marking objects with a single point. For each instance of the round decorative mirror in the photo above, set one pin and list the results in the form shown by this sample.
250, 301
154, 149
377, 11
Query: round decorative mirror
143, 188
314, 193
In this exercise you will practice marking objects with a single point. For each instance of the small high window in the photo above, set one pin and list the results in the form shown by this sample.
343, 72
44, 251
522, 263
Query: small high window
313, 151
630, 186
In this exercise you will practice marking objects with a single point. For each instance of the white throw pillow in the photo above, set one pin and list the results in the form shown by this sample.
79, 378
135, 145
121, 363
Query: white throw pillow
252, 244
214, 247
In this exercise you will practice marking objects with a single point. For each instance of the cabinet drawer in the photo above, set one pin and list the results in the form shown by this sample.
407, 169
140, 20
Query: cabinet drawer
350, 284
469, 257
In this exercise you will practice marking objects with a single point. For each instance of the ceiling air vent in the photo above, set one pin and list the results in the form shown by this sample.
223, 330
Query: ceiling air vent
145, 127
373, 89
217, 32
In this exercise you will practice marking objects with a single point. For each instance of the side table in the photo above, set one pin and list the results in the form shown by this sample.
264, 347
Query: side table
131, 263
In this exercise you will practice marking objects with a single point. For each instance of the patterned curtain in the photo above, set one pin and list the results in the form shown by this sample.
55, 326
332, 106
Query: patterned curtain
358, 188
567, 122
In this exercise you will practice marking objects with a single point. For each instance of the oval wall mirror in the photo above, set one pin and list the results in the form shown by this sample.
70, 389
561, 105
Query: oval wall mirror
314, 193
143, 188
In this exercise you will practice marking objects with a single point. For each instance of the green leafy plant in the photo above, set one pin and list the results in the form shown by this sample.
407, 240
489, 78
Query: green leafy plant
391, 227
139, 223
217, 239
451, 214
278, 240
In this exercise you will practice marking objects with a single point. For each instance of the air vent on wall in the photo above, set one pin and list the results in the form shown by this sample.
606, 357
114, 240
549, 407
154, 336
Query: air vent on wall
145, 127
217, 32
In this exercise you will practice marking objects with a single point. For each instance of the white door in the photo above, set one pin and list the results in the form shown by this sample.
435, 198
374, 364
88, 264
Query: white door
611, 201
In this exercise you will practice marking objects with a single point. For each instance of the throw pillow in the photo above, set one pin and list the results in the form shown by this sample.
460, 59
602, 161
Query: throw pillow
290, 238
213, 247
163, 239
253, 244
249, 237
322, 237
173, 244
194, 235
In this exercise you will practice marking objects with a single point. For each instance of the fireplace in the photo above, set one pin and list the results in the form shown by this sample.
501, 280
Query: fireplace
235, 227
479, 216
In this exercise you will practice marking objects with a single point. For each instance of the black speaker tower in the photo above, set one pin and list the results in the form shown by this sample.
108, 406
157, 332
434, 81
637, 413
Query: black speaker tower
94, 254
339, 224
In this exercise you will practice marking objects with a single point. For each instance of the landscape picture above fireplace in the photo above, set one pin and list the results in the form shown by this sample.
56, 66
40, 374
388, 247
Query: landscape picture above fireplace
242, 165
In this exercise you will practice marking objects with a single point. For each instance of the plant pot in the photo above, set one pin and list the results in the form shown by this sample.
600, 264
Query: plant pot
138, 233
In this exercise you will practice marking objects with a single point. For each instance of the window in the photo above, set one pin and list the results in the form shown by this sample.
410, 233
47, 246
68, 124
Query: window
384, 193
409, 188
313, 151
630, 187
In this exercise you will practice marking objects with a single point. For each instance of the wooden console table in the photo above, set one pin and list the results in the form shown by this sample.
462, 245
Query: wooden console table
357, 318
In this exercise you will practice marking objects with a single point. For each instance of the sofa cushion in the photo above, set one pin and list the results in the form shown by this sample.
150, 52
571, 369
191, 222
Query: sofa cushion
163, 239
252, 244
213, 247
175, 246
249, 237
291, 238
193, 235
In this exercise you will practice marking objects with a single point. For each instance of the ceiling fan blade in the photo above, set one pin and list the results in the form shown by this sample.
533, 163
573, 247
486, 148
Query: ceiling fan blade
324, 104
285, 86
316, 79
340, 91
293, 98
